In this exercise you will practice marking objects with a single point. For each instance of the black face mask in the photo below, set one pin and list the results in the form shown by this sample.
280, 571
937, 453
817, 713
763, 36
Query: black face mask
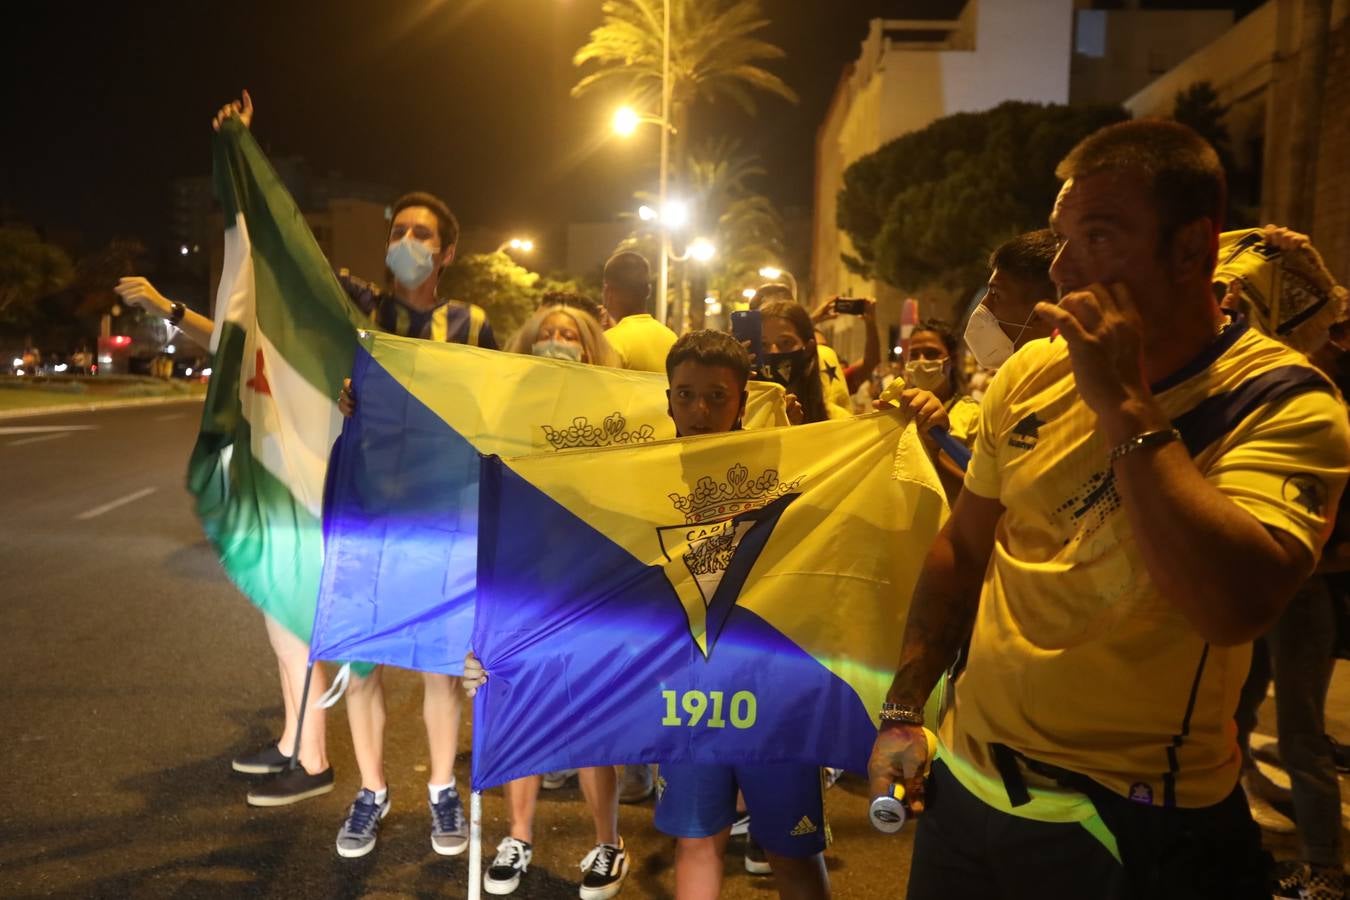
785, 368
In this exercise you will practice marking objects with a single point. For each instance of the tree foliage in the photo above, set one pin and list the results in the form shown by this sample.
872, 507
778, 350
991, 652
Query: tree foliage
928, 207
1198, 106
507, 291
30, 269
741, 221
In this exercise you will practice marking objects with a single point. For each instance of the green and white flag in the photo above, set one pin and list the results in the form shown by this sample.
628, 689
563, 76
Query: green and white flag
284, 338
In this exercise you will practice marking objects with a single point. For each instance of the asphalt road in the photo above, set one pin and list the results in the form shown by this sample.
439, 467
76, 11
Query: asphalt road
133, 672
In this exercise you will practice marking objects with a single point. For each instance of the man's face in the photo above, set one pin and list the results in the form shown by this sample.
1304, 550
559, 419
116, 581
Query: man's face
421, 224
1012, 300
1108, 232
704, 399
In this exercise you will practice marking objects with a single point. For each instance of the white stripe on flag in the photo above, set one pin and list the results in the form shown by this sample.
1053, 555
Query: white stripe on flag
235, 296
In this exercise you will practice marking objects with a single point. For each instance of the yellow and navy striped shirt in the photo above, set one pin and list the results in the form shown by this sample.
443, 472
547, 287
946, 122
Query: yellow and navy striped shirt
1076, 659
451, 320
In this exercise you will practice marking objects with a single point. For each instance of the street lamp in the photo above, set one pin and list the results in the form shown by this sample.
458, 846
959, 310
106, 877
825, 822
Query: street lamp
774, 273
626, 121
701, 250
523, 245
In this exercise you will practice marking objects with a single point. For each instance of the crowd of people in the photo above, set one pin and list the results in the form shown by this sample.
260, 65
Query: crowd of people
1156, 469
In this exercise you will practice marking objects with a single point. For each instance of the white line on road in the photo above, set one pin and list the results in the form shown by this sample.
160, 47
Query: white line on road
168, 417
120, 501
39, 439
43, 429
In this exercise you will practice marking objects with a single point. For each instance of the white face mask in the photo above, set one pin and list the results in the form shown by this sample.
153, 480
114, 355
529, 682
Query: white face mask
987, 341
411, 261
926, 374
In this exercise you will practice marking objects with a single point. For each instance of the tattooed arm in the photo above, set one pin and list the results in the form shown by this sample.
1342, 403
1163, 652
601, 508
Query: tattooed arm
940, 617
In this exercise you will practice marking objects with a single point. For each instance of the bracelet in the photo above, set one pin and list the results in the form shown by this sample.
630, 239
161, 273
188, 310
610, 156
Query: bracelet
176, 312
1141, 441
901, 714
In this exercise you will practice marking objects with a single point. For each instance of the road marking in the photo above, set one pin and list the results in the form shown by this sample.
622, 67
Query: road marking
168, 417
39, 439
120, 501
43, 429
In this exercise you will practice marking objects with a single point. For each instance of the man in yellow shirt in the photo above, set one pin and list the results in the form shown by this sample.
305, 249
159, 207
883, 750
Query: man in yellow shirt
641, 341
1145, 497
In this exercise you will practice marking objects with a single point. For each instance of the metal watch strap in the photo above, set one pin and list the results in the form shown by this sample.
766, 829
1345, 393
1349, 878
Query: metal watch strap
1141, 441
176, 312
901, 714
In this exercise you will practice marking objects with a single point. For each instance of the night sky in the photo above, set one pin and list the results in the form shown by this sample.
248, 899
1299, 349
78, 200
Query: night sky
466, 98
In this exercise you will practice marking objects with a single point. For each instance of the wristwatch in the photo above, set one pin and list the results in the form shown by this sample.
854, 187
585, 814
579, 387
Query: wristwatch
176, 312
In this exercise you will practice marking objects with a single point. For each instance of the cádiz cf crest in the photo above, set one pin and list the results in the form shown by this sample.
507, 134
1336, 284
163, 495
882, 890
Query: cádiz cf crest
708, 557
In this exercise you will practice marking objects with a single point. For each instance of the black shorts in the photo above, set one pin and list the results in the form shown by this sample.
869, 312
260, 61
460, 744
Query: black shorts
965, 848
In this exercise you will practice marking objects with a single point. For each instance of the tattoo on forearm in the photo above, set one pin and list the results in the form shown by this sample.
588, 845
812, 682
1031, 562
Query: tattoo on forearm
939, 621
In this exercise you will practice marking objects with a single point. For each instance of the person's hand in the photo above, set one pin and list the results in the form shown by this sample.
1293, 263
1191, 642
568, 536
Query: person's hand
796, 415
474, 675
899, 756
1105, 336
923, 408
869, 311
1285, 238
346, 400
137, 291
243, 108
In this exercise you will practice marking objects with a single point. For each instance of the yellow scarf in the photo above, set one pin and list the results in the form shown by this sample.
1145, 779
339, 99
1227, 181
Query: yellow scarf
1286, 294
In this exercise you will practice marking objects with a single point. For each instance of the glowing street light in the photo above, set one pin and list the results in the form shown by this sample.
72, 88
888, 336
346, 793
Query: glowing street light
646, 213
521, 245
626, 121
701, 250
774, 273
749, 293
675, 214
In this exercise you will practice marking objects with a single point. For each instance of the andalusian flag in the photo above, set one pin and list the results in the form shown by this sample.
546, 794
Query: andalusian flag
733, 599
401, 517
284, 338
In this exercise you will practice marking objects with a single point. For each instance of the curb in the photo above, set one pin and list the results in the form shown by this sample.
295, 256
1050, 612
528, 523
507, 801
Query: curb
93, 407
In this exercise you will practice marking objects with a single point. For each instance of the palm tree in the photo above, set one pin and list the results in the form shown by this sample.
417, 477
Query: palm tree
714, 55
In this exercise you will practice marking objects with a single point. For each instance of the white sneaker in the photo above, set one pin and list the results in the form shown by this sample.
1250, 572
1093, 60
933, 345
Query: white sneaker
512, 861
554, 780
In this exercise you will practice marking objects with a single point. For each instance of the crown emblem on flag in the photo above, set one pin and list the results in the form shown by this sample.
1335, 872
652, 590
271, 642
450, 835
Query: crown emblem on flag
581, 433
717, 500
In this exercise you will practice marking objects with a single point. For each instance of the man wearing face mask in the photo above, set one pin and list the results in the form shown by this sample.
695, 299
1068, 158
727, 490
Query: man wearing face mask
1006, 318
1144, 497
422, 239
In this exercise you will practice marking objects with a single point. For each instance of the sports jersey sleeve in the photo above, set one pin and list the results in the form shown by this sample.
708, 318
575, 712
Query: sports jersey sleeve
486, 339
1288, 469
361, 293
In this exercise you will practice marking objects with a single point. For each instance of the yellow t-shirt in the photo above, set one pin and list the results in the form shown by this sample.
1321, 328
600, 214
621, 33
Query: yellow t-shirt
832, 380
641, 342
1076, 659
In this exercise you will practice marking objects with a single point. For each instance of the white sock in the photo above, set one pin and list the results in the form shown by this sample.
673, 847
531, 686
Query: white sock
381, 795
434, 790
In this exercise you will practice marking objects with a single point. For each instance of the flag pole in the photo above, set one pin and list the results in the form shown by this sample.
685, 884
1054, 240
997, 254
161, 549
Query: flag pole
300, 720
476, 845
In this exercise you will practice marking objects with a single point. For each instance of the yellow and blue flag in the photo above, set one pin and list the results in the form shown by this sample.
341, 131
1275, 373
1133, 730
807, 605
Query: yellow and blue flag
734, 598
401, 498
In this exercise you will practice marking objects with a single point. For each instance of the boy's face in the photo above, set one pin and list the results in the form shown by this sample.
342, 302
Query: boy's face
704, 399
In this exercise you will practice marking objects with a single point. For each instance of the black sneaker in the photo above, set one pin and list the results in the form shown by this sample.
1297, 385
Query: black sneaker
511, 862
291, 786
267, 761
1298, 880
606, 867
756, 863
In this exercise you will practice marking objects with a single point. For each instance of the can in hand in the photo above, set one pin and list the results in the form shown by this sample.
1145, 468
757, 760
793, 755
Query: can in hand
887, 812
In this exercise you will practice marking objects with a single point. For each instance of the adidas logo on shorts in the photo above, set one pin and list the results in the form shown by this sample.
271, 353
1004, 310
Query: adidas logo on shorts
805, 826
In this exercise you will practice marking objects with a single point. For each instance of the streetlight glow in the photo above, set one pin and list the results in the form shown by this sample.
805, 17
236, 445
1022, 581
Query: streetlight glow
675, 214
523, 245
773, 273
749, 293
702, 250
646, 213
626, 121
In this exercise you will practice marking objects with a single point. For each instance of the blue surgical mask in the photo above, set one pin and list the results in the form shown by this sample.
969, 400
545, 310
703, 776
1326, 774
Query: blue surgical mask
551, 349
412, 262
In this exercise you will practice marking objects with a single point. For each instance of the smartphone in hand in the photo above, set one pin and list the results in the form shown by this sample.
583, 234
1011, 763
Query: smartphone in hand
746, 325
850, 306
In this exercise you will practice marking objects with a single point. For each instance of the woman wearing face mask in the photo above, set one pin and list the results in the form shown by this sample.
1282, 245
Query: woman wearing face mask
567, 332
791, 359
932, 394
